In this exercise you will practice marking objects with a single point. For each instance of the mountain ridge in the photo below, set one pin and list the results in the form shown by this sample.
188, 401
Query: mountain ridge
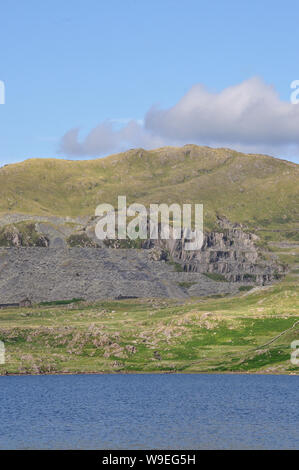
253, 189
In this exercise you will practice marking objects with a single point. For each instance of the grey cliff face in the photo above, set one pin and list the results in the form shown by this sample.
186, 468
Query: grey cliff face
46, 264
49, 274
233, 254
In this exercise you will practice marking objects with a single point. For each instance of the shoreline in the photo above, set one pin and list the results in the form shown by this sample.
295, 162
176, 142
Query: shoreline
153, 373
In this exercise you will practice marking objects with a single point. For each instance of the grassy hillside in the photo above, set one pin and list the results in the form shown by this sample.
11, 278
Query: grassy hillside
249, 333
258, 190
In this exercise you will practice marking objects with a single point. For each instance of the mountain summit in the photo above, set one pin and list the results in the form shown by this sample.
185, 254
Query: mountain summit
257, 190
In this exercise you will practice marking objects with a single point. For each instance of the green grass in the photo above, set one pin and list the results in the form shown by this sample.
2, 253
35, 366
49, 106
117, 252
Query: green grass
245, 288
249, 333
189, 174
26, 233
250, 277
186, 284
80, 239
177, 267
215, 276
61, 302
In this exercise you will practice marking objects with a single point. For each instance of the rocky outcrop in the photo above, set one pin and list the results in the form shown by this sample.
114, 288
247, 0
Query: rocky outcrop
231, 251
50, 274
47, 262
27, 235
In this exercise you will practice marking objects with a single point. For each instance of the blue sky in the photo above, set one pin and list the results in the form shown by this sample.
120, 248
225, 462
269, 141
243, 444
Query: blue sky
78, 68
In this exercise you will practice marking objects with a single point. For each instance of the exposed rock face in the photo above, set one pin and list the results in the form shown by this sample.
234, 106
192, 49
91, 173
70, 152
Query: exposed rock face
159, 254
231, 251
13, 236
50, 274
64, 261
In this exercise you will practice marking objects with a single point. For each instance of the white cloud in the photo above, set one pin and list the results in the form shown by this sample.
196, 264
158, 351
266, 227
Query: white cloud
107, 138
249, 116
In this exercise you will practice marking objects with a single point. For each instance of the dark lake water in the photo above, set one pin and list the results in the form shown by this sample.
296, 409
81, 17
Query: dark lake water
149, 412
